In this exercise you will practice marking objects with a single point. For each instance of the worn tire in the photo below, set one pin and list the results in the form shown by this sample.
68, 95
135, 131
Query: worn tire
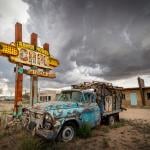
67, 133
111, 120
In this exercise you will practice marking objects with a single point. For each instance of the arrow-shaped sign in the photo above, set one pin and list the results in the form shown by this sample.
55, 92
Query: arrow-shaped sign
8, 50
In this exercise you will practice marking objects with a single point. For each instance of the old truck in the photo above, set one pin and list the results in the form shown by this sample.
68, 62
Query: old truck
88, 103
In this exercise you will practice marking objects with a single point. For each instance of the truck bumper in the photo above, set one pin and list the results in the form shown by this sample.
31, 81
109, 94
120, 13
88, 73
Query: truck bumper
47, 134
44, 133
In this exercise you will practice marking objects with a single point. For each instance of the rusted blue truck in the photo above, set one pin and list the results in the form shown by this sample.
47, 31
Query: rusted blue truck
87, 103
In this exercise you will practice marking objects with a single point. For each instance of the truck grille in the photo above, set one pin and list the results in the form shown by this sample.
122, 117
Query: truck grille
36, 115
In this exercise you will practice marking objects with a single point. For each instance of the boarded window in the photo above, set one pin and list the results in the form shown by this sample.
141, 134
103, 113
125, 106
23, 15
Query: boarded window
41, 98
45, 98
148, 96
49, 98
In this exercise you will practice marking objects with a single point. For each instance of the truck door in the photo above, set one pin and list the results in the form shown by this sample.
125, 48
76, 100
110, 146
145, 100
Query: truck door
91, 112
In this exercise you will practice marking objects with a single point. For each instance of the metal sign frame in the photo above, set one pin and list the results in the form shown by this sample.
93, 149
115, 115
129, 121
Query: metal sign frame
28, 54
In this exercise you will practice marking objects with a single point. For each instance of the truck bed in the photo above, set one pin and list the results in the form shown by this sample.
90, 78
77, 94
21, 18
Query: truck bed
110, 113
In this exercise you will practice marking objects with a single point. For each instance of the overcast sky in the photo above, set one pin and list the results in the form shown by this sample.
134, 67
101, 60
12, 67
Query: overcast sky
105, 40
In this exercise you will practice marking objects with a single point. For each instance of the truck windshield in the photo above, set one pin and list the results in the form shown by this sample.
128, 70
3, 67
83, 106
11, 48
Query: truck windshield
89, 97
73, 96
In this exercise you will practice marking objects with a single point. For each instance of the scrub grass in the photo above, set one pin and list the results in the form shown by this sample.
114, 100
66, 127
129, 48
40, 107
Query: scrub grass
35, 143
29, 143
119, 124
3, 134
105, 129
84, 131
3, 119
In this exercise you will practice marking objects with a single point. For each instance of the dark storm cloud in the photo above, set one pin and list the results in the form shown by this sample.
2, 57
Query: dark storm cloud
113, 35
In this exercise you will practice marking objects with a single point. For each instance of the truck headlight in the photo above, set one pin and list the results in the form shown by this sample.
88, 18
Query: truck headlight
47, 121
48, 118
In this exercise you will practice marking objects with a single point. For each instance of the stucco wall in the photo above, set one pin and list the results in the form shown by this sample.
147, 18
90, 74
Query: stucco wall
127, 101
147, 101
52, 94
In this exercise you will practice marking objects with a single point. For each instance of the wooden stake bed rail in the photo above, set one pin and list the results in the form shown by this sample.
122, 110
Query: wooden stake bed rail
108, 97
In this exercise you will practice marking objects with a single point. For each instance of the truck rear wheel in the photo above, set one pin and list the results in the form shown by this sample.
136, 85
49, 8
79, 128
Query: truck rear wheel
111, 120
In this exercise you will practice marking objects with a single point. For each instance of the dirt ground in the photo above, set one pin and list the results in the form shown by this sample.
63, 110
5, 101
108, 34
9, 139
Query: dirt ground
136, 113
130, 134
6, 106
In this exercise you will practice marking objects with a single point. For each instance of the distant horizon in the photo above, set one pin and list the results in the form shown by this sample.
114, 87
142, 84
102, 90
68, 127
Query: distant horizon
69, 87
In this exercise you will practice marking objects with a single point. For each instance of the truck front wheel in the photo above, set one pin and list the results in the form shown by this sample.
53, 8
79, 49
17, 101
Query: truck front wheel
68, 132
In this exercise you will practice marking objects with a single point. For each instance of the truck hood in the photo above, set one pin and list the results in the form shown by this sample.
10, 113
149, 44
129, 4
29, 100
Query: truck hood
58, 109
46, 106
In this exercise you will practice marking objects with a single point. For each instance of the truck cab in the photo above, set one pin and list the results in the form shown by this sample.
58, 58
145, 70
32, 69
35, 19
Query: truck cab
61, 118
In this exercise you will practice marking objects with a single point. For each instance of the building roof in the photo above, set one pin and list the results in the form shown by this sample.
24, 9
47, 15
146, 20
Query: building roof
136, 88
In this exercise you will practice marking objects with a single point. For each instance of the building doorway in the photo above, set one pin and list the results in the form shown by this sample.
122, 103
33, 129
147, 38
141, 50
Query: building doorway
133, 98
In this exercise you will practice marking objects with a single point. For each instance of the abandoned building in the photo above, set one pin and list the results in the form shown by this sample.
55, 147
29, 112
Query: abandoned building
137, 96
133, 96
48, 95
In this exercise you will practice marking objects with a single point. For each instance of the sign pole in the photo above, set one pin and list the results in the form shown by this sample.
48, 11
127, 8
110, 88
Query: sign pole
46, 46
19, 76
34, 79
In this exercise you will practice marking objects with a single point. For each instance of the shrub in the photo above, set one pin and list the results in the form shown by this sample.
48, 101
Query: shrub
84, 131
119, 124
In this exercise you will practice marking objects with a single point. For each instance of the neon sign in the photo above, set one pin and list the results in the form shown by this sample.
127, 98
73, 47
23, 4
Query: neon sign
31, 55
28, 54
31, 58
